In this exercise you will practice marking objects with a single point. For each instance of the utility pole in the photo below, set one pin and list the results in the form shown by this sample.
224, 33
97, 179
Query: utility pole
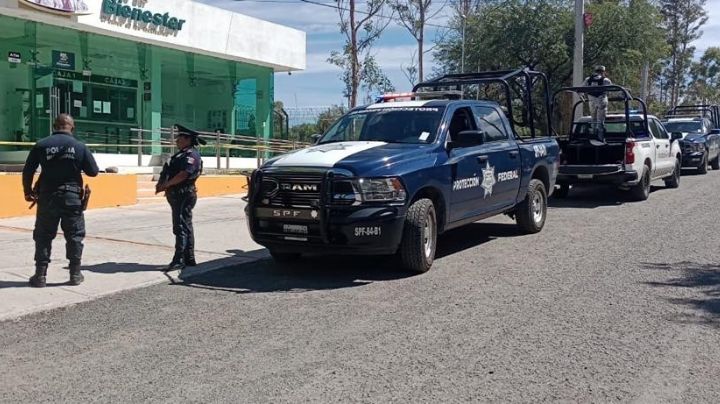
578, 53
462, 54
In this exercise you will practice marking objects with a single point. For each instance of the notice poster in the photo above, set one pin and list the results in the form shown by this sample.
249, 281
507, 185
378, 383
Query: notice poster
106, 107
77, 86
131, 113
77, 103
83, 112
97, 107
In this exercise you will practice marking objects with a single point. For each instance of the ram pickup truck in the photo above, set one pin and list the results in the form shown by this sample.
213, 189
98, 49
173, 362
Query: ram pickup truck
633, 151
390, 177
698, 130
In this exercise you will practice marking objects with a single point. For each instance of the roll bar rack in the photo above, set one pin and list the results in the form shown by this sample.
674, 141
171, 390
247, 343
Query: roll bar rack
502, 77
699, 111
622, 95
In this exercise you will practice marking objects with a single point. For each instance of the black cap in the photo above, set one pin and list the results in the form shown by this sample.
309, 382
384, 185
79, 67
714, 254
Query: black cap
181, 130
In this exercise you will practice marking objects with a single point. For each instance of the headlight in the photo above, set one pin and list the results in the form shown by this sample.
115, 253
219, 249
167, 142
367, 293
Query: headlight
381, 190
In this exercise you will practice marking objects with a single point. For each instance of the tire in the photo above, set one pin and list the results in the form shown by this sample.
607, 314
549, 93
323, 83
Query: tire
532, 211
562, 192
641, 191
674, 180
419, 239
703, 167
284, 258
715, 164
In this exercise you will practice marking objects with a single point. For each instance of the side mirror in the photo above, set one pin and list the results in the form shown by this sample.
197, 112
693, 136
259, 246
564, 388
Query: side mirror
675, 136
715, 131
315, 138
468, 138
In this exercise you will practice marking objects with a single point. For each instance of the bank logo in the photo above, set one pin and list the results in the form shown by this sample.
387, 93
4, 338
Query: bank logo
65, 7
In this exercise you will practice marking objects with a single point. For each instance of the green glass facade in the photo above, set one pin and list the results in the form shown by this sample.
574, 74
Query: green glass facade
111, 85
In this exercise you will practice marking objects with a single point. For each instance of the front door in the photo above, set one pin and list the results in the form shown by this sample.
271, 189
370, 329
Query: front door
466, 165
664, 164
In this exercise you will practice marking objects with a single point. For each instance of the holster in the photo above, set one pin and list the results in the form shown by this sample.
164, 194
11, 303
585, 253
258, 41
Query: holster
85, 196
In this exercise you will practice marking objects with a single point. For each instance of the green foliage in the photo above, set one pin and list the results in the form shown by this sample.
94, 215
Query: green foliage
705, 78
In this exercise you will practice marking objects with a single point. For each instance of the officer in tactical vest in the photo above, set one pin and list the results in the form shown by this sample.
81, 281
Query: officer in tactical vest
598, 99
59, 195
177, 180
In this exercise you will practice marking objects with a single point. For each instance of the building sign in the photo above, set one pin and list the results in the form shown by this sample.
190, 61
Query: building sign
66, 7
63, 60
14, 57
120, 13
95, 78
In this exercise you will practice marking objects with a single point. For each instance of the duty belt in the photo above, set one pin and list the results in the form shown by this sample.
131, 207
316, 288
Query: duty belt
70, 188
183, 189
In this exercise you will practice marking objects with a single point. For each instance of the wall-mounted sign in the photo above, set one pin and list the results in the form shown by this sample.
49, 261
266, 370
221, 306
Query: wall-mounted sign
65, 7
14, 57
96, 78
118, 12
63, 60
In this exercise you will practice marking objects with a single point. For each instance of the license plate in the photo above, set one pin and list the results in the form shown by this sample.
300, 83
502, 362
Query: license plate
585, 176
287, 213
295, 229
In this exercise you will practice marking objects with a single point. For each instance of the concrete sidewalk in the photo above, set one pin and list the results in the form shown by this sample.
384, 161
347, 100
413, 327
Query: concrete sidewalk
125, 249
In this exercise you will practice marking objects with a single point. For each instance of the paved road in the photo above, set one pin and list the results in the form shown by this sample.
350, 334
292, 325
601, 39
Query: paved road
611, 302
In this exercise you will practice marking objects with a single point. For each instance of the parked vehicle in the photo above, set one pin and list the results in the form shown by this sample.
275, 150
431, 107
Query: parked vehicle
390, 177
698, 127
636, 149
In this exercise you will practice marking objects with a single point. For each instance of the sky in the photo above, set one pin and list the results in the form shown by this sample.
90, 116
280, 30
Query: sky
320, 84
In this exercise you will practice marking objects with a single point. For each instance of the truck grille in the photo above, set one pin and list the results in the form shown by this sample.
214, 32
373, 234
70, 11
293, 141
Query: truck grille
291, 190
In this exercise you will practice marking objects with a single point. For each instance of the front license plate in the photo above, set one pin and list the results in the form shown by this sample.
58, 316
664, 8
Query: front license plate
287, 213
585, 176
295, 229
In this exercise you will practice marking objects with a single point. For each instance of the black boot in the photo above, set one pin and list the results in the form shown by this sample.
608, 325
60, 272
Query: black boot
76, 277
39, 280
190, 259
177, 264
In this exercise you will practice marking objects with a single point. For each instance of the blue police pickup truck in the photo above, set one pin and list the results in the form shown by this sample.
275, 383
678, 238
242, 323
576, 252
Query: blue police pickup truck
388, 178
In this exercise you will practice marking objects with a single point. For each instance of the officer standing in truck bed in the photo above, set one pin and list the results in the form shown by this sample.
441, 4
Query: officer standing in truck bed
59, 196
177, 180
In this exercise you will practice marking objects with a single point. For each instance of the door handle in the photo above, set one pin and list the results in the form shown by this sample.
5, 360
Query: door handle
514, 153
657, 146
482, 159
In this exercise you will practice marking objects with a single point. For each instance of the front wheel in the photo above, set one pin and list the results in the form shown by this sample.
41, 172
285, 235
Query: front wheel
715, 164
703, 167
419, 240
674, 180
532, 210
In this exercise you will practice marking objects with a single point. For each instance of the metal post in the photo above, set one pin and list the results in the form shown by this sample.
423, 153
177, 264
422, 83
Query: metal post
217, 148
579, 45
462, 54
645, 74
139, 149
227, 158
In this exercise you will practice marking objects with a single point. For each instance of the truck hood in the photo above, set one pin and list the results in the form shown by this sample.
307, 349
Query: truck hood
692, 138
361, 158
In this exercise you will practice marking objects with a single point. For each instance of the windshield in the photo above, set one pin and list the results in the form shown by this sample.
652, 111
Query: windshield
684, 127
391, 125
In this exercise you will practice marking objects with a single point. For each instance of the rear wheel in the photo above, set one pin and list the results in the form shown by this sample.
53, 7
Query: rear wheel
641, 191
563, 191
715, 164
674, 180
419, 240
531, 212
703, 167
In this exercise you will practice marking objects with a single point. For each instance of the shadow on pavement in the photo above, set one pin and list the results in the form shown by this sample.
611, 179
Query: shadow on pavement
306, 274
129, 267
705, 278
25, 284
473, 235
591, 197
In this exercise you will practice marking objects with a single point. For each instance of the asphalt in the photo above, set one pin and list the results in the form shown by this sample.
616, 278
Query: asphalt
612, 302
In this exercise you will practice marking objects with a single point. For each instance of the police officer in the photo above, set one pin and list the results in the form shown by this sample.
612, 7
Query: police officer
177, 180
598, 99
58, 194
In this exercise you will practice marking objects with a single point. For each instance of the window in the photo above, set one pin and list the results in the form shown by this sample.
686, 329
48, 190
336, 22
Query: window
462, 119
391, 125
657, 130
489, 121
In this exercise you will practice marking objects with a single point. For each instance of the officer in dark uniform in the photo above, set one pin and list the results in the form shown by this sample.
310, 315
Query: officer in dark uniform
177, 179
58, 194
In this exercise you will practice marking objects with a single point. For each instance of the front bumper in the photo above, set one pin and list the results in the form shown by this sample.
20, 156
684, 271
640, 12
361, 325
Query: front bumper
612, 174
692, 159
372, 230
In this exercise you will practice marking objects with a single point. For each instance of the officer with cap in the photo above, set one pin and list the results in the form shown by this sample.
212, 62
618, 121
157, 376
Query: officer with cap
59, 196
598, 99
177, 180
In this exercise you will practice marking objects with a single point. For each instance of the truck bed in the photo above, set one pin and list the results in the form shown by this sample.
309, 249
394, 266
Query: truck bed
586, 152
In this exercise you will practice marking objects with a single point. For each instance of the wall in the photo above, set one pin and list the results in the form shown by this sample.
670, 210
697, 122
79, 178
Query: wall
107, 191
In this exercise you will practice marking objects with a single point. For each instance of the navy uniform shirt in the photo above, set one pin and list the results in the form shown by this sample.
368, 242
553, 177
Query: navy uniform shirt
185, 160
63, 159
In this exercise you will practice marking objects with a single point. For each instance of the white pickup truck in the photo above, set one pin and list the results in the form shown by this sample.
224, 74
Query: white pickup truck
636, 151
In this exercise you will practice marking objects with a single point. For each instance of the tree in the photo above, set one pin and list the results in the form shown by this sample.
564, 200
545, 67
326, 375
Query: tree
704, 85
682, 20
303, 131
414, 15
361, 30
328, 117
